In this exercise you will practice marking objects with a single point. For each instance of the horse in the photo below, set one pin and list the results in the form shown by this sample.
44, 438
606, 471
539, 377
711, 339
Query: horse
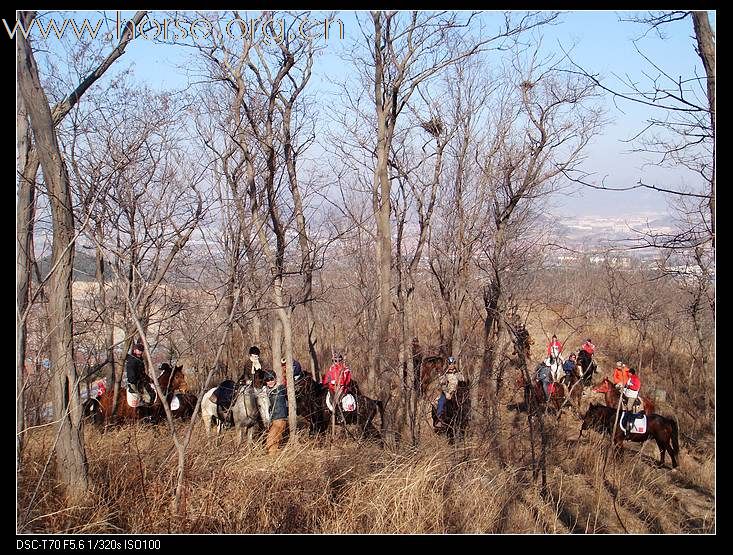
430, 368
309, 400
555, 365
587, 366
455, 415
184, 406
250, 405
612, 395
662, 429
172, 382
362, 417
561, 393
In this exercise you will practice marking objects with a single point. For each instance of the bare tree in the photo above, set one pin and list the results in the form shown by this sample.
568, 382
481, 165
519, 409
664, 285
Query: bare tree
680, 133
406, 51
29, 163
70, 454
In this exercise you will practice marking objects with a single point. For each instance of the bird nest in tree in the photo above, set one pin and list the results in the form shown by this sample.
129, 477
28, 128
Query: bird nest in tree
526, 85
434, 126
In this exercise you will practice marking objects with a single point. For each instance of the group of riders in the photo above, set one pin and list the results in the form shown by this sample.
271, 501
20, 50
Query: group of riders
553, 370
342, 388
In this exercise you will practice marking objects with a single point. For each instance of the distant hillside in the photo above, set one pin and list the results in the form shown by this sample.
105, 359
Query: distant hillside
84, 267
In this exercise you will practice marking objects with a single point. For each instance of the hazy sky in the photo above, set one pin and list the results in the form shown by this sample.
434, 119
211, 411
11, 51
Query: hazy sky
599, 43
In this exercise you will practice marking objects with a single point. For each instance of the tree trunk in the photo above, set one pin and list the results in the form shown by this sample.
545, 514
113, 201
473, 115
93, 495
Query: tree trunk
70, 455
25, 216
381, 201
706, 51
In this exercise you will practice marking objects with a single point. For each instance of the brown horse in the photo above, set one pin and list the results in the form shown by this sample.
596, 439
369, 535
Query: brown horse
663, 430
430, 368
171, 381
612, 395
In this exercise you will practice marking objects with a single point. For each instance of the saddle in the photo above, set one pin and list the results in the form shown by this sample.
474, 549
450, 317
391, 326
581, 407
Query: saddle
224, 397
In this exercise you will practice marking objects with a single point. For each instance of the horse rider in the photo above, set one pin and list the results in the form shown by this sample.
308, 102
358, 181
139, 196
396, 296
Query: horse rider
254, 358
101, 387
135, 372
630, 399
570, 366
620, 375
297, 370
543, 376
448, 384
589, 348
554, 347
279, 412
524, 340
554, 359
337, 378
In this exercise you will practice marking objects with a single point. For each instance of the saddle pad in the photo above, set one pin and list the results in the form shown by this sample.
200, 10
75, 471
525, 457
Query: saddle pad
639, 426
348, 402
133, 399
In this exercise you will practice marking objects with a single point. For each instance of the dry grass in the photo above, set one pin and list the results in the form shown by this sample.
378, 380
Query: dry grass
315, 487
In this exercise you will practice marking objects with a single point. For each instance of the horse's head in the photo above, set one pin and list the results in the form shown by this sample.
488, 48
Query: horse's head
596, 417
263, 404
604, 387
172, 379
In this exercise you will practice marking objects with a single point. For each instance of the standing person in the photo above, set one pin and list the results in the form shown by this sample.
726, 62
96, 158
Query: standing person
279, 417
135, 372
448, 384
630, 396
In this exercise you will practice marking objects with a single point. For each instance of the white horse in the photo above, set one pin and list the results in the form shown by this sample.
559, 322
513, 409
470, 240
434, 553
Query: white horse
556, 370
250, 405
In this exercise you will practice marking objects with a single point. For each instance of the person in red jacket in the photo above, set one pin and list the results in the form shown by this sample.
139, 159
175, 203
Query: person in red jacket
554, 347
630, 398
588, 347
338, 379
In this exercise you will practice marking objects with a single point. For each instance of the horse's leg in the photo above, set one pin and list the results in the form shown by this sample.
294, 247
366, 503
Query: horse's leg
662, 451
672, 454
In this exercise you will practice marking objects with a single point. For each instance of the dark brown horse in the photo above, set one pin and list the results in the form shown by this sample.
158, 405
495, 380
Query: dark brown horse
362, 419
612, 395
561, 395
171, 381
663, 430
309, 399
587, 367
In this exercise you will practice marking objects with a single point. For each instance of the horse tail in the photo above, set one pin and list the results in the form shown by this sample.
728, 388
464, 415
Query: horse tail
380, 407
675, 439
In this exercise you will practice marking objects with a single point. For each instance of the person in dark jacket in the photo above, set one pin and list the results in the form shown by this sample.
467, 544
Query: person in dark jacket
279, 407
135, 372
570, 367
